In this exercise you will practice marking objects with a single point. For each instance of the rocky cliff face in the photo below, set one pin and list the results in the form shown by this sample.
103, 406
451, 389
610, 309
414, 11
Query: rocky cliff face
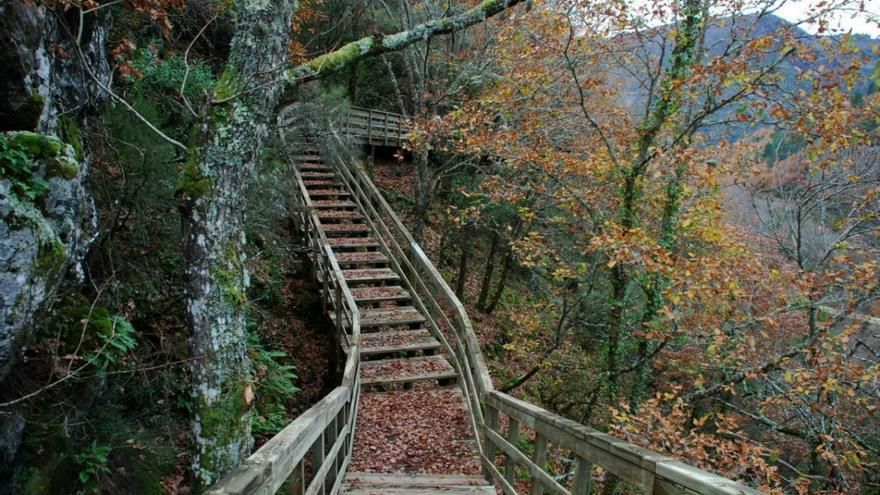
46, 89
46, 96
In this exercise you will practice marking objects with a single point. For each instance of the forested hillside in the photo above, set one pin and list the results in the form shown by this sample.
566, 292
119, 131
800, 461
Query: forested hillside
661, 219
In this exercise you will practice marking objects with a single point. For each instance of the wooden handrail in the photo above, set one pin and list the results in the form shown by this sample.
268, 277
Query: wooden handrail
325, 430
648, 471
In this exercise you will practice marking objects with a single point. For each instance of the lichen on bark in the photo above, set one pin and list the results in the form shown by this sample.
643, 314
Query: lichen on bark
211, 193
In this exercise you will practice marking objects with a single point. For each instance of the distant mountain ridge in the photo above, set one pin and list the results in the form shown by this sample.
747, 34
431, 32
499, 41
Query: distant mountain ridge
724, 31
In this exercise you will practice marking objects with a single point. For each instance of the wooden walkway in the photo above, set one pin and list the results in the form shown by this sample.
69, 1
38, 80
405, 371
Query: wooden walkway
375, 127
402, 366
408, 340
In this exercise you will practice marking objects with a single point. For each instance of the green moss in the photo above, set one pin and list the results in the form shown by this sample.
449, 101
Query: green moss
51, 258
71, 133
62, 166
340, 58
224, 422
36, 145
192, 184
229, 278
35, 107
228, 84
37, 482
45, 448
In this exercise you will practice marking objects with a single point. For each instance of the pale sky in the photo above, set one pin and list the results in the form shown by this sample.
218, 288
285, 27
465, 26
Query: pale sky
858, 22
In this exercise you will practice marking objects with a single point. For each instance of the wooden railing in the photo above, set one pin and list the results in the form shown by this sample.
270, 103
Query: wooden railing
502, 452
311, 454
583, 447
375, 127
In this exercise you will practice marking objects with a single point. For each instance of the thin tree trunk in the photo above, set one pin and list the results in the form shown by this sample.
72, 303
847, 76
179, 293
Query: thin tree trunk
211, 195
487, 274
502, 281
462, 269
615, 329
422, 193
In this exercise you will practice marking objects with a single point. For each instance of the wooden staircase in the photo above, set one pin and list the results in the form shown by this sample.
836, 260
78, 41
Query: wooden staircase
413, 363
398, 351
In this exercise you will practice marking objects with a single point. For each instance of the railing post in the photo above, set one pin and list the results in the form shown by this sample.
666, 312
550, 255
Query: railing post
298, 483
339, 326
491, 424
583, 472
513, 438
318, 452
540, 458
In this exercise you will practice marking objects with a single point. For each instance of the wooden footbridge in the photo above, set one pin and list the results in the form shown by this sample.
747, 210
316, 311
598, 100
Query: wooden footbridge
408, 339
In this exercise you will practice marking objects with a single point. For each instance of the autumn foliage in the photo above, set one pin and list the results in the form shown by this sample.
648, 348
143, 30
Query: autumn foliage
684, 291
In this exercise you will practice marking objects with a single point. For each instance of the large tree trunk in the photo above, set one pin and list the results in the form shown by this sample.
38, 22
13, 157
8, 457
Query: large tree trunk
211, 194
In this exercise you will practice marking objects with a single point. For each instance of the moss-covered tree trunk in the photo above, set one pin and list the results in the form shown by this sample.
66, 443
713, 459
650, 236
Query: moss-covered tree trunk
211, 195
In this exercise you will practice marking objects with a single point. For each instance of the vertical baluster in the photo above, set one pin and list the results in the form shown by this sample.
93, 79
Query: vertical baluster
334, 465
540, 458
318, 455
513, 438
583, 472
491, 424
339, 327
296, 482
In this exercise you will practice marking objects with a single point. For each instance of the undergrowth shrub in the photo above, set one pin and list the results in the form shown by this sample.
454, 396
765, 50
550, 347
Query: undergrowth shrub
274, 387
19, 169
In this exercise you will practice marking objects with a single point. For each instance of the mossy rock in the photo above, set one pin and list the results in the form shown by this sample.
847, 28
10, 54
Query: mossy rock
71, 134
62, 166
34, 108
51, 258
36, 145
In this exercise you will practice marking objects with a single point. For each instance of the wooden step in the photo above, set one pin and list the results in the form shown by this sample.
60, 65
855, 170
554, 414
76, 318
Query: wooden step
361, 258
339, 215
309, 182
387, 317
317, 176
410, 490
325, 193
308, 157
416, 484
345, 228
328, 204
352, 242
407, 370
313, 167
378, 343
379, 294
370, 275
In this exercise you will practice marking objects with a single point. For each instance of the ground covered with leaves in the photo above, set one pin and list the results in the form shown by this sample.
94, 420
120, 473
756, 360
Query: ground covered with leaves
414, 431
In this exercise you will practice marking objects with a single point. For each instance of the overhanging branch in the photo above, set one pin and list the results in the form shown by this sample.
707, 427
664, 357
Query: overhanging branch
379, 44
